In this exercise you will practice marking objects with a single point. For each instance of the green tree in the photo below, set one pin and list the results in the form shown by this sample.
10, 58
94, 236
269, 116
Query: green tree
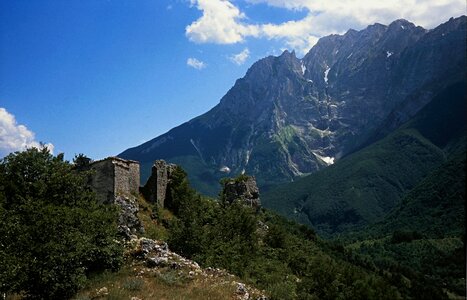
193, 215
82, 162
53, 233
232, 240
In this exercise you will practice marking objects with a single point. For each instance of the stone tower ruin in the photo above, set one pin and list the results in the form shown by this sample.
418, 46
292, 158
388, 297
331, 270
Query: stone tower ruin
114, 176
155, 189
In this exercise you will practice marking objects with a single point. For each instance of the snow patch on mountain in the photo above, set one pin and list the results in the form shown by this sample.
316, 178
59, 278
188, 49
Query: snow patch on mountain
197, 149
326, 73
303, 69
326, 159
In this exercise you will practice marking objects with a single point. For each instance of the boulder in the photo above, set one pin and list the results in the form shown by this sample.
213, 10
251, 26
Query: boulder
157, 262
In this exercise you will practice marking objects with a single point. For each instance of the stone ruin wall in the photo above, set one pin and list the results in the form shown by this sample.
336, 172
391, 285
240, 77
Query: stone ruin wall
155, 188
126, 177
114, 176
102, 181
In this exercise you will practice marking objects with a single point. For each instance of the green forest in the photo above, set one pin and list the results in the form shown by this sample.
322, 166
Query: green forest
55, 238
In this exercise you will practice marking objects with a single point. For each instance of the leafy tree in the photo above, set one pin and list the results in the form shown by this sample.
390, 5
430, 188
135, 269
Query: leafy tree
53, 233
405, 236
232, 240
82, 162
193, 213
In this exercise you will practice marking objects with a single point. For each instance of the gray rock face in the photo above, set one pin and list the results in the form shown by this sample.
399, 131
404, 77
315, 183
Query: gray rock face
155, 188
152, 258
157, 261
289, 117
242, 189
128, 221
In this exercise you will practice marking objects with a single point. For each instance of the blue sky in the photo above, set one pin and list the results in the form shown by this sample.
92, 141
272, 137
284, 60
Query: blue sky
99, 76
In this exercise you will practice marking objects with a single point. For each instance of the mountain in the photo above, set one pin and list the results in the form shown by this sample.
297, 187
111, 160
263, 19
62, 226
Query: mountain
363, 187
289, 117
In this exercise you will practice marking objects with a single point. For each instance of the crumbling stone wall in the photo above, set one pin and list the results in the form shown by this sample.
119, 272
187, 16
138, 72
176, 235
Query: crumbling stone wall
155, 189
114, 176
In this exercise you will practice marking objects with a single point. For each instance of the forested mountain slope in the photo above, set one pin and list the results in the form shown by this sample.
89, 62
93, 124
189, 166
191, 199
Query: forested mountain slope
364, 186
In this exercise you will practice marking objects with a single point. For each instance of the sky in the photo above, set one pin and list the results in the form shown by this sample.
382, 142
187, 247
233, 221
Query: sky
100, 76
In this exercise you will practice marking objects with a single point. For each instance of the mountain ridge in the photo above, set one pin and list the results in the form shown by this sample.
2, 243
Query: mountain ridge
288, 117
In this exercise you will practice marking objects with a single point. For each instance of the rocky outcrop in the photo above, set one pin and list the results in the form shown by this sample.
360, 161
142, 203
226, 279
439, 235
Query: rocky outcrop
152, 258
243, 189
129, 224
155, 189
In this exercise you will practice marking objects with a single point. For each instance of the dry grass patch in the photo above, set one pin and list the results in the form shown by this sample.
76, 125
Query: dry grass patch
161, 284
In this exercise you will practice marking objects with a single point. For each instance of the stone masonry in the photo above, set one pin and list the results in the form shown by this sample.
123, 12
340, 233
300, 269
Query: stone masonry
155, 188
114, 176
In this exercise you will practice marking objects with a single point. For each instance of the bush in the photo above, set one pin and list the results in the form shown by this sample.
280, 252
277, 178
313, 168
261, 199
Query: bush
405, 236
53, 233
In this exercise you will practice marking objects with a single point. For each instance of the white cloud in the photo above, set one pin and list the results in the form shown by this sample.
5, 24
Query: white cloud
221, 23
241, 57
224, 23
194, 63
15, 137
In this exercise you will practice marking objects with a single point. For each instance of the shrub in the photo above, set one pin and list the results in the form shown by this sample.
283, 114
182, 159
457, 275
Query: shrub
405, 236
53, 233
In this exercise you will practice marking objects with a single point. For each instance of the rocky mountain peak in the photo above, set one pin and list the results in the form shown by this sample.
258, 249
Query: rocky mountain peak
288, 117
401, 24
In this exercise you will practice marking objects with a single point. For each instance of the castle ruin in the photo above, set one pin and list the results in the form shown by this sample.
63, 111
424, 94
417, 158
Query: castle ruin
155, 189
114, 176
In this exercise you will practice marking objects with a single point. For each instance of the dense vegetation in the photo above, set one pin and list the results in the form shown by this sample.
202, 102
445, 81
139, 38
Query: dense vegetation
53, 236
423, 238
53, 233
286, 259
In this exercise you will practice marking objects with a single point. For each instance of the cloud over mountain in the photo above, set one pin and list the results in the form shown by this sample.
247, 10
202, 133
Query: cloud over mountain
224, 22
241, 57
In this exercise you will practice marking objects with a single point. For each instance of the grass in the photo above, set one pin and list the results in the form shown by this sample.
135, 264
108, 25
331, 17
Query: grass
153, 228
128, 283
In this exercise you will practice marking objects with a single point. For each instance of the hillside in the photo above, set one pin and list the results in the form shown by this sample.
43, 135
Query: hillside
364, 186
435, 208
193, 248
425, 234
289, 117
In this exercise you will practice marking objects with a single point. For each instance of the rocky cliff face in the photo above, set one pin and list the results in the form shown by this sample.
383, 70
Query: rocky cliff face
289, 117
